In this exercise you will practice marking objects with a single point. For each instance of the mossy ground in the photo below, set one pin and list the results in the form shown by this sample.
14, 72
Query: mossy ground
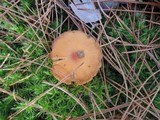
129, 74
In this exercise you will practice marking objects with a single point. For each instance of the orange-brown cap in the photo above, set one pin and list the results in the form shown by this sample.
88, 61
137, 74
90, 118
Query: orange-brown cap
76, 57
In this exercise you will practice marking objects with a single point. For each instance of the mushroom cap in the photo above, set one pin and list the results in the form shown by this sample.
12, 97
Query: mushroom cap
76, 57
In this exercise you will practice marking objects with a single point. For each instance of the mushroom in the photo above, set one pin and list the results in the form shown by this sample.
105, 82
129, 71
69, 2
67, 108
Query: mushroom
76, 57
